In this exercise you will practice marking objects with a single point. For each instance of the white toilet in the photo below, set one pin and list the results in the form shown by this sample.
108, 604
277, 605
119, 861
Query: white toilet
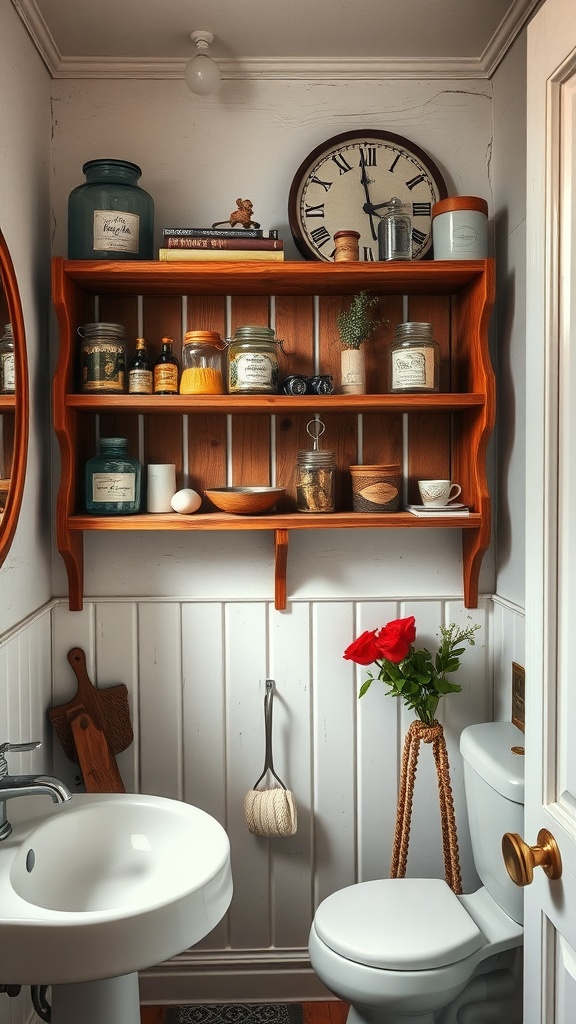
409, 950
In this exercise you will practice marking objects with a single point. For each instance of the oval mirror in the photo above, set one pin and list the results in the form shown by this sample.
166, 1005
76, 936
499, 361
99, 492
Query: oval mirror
13, 401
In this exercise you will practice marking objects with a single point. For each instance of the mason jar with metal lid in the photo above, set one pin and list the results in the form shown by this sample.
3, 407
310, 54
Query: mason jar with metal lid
414, 358
253, 362
202, 364
315, 474
102, 359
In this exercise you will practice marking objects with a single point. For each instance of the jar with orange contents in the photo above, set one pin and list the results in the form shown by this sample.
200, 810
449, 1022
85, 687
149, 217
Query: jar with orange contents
202, 364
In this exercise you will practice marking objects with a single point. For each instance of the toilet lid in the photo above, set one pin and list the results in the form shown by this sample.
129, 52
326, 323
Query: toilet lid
400, 924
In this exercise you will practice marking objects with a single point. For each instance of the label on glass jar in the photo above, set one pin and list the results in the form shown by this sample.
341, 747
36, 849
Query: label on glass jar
116, 232
103, 367
114, 487
413, 368
253, 370
8, 373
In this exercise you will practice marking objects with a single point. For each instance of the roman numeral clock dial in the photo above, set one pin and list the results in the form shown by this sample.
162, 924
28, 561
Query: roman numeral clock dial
346, 184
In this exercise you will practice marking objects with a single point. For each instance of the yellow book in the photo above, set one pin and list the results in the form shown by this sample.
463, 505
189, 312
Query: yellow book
217, 255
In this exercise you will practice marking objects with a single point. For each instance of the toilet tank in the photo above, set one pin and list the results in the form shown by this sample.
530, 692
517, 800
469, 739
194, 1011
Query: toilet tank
494, 784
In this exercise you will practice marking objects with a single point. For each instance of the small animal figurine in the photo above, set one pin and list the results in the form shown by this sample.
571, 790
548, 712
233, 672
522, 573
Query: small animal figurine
241, 216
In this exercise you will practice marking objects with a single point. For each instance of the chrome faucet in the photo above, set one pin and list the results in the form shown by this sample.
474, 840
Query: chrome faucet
25, 785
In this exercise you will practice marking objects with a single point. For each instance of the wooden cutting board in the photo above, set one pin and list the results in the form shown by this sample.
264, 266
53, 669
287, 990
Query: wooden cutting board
94, 756
108, 708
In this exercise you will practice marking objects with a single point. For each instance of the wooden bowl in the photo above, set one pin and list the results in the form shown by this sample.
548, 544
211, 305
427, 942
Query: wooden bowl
245, 501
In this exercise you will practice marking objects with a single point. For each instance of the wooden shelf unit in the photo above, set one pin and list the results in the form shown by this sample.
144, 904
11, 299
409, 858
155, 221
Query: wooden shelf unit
445, 434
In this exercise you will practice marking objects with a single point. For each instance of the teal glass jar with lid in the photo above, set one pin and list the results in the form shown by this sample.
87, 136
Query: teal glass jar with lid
253, 362
109, 216
113, 480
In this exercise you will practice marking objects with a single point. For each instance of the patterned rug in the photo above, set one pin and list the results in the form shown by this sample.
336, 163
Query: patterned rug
231, 1013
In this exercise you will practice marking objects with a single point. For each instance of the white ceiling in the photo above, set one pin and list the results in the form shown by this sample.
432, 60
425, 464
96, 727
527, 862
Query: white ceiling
275, 38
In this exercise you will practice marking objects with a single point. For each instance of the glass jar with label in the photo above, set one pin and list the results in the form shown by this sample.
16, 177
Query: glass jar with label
315, 475
109, 216
102, 359
414, 359
112, 480
253, 362
202, 364
7, 364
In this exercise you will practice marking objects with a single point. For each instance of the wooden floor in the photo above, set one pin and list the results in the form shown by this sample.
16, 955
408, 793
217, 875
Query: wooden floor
332, 1012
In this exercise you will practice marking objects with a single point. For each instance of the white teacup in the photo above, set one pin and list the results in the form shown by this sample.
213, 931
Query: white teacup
437, 493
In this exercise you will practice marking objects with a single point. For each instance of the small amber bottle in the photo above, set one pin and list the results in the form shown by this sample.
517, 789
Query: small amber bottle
166, 369
140, 371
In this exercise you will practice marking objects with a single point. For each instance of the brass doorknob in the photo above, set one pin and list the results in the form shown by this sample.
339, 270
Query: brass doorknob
521, 859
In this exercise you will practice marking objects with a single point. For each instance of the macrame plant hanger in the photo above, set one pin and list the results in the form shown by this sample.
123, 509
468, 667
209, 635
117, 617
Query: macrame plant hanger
419, 732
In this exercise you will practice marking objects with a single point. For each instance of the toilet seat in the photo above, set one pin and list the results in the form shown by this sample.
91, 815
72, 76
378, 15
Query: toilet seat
398, 924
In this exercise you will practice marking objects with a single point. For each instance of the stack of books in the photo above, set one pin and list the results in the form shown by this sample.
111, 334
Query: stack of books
220, 244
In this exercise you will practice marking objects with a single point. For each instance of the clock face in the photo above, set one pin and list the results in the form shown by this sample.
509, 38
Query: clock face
346, 184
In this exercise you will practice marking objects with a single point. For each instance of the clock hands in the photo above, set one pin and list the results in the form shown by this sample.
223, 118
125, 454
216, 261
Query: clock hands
368, 207
371, 207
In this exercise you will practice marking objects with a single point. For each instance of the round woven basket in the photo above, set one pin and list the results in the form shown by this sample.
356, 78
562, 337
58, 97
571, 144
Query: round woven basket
375, 488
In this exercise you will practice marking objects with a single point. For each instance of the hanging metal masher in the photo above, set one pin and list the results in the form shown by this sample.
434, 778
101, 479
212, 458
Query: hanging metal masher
270, 812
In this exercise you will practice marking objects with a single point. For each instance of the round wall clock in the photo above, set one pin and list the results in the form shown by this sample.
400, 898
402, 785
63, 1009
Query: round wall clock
346, 182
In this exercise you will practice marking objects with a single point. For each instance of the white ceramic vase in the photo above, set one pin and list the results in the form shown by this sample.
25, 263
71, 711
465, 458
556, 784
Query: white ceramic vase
353, 371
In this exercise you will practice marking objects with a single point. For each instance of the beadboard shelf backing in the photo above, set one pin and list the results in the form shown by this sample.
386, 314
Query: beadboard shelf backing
445, 435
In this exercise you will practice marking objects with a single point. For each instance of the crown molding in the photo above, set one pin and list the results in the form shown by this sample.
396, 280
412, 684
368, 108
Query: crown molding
274, 69
510, 27
280, 69
39, 33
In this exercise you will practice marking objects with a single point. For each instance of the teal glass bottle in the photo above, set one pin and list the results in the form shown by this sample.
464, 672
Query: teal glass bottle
109, 216
113, 480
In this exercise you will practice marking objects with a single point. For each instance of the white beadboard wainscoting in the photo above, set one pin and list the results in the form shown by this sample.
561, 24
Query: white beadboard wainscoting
196, 672
25, 694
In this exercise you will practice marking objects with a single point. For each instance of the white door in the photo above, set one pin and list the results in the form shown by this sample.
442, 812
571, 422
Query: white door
550, 906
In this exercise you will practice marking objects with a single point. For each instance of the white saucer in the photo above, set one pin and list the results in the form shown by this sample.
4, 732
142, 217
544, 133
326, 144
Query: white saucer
439, 508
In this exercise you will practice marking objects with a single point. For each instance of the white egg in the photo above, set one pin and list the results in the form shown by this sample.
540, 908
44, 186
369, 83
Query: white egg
186, 501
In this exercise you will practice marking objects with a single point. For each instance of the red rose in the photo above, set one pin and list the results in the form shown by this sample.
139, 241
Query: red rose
363, 650
394, 639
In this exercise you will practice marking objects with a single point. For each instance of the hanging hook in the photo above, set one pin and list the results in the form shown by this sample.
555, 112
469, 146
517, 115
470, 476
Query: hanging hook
268, 762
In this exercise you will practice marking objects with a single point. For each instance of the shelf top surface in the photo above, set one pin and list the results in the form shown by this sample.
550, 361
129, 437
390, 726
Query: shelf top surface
289, 278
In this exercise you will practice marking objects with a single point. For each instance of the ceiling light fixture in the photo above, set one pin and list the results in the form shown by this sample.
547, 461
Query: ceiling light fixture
202, 74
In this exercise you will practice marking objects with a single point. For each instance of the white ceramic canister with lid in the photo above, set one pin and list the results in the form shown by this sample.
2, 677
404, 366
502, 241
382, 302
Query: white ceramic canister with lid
460, 228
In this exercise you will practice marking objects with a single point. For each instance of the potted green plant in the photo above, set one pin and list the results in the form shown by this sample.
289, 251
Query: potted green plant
355, 325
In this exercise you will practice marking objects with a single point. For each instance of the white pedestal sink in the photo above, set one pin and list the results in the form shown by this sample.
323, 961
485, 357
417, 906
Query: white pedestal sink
96, 889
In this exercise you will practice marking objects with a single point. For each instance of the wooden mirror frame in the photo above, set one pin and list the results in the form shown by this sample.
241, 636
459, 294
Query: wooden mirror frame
9, 519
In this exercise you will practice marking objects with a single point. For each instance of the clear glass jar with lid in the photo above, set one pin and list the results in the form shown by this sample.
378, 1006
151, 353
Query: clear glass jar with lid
202, 364
414, 358
253, 362
7, 363
315, 475
109, 216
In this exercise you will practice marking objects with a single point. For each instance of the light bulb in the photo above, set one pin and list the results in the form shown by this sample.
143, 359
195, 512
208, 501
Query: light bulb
202, 75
